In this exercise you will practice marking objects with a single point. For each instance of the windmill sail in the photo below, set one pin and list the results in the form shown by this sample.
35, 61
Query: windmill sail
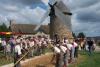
42, 19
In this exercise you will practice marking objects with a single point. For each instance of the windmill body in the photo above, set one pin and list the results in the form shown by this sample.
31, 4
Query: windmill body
60, 20
60, 23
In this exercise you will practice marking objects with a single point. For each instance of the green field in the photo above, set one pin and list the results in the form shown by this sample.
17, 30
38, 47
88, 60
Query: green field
3, 60
87, 61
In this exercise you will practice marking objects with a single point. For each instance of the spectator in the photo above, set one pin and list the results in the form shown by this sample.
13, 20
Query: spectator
3, 43
76, 49
90, 46
8, 51
17, 53
31, 43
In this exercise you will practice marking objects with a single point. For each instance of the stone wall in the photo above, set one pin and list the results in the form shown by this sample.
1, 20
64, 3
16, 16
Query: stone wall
57, 26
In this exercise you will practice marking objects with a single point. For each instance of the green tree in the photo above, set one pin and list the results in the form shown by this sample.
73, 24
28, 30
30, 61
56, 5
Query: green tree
81, 35
74, 35
3, 28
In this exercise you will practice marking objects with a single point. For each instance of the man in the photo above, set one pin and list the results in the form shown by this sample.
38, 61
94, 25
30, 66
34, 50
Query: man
8, 51
31, 46
57, 55
64, 55
90, 45
3, 43
76, 49
17, 53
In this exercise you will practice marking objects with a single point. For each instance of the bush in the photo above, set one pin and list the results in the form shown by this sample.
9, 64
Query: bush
98, 43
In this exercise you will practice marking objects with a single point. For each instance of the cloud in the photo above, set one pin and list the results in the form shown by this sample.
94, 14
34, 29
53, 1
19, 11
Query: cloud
86, 16
77, 4
22, 11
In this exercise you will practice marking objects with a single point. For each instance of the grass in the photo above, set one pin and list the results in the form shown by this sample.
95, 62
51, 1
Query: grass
3, 60
87, 61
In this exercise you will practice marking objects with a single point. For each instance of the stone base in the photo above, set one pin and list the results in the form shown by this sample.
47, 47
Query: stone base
57, 26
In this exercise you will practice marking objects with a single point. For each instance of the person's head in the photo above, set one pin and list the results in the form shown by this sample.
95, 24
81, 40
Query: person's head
65, 38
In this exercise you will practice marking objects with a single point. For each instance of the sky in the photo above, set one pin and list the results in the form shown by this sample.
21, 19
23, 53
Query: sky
85, 18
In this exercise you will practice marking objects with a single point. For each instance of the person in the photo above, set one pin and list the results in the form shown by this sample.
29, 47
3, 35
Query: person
12, 44
44, 45
8, 51
31, 43
76, 49
94, 45
90, 46
57, 55
17, 53
64, 55
72, 50
3, 43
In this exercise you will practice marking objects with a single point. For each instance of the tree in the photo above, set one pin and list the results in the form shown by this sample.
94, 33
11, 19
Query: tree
74, 35
81, 35
3, 28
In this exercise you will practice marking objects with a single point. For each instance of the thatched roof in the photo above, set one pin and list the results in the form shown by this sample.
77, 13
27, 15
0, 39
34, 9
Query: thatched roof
28, 28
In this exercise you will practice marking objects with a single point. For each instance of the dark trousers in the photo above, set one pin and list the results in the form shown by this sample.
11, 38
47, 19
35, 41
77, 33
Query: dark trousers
16, 58
90, 50
76, 52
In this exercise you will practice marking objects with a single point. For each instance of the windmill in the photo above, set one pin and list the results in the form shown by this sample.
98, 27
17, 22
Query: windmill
60, 19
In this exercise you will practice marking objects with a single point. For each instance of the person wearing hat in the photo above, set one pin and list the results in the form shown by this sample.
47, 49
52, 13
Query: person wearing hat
17, 53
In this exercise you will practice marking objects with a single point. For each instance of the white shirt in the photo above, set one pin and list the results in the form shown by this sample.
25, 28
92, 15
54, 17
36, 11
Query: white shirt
63, 48
18, 49
0, 40
56, 50
44, 42
3, 43
8, 48
18, 40
66, 41
75, 44
69, 46
32, 44
39, 43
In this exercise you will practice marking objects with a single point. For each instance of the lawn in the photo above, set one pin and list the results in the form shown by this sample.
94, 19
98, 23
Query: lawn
87, 61
3, 59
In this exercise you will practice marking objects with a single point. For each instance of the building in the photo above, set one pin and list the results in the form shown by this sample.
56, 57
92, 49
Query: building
27, 29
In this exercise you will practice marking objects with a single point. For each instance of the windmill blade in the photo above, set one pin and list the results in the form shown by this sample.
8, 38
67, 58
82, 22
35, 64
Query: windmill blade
43, 19
52, 2
64, 18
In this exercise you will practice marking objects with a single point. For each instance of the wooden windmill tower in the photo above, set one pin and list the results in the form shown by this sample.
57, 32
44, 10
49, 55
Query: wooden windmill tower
60, 19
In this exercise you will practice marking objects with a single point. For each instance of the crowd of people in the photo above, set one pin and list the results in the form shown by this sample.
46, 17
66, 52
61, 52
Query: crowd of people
65, 51
16, 47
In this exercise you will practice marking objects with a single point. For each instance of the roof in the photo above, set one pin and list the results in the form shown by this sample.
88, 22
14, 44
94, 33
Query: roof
28, 28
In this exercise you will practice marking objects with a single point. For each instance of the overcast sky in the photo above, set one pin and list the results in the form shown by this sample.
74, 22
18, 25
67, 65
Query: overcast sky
85, 18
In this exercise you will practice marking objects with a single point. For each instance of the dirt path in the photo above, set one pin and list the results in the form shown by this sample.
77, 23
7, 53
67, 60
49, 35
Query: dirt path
39, 61
8, 65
